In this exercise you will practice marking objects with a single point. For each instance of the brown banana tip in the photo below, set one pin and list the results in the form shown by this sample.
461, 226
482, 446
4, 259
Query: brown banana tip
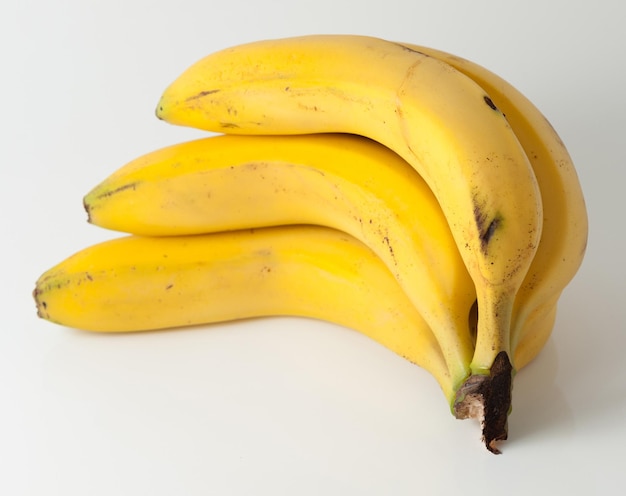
87, 209
41, 305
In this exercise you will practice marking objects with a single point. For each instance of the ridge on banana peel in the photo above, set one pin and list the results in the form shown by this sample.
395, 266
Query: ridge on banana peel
140, 283
438, 119
342, 181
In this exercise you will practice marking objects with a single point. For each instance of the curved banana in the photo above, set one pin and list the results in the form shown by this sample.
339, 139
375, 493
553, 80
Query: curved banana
342, 181
565, 223
436, 118
143, 283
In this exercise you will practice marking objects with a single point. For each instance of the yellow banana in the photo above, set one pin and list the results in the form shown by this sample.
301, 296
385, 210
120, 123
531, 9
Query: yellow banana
143, 283
565, 223
337, 180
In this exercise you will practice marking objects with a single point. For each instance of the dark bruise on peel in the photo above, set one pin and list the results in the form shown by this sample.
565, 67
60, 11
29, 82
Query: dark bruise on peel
489, 102
488, 233
486, 227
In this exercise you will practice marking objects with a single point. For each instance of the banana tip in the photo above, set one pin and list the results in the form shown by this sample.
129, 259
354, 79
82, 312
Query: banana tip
40, 303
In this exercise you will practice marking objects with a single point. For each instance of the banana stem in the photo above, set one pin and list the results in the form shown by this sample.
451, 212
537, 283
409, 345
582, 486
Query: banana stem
486, 393
488, 398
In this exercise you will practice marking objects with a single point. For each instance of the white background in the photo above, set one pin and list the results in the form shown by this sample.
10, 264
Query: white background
287, 406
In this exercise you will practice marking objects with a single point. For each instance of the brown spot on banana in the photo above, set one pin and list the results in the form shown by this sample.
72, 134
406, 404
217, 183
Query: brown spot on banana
228, 125
489, 102
487, 225
391, 252
124, 187
200, 95
487, 234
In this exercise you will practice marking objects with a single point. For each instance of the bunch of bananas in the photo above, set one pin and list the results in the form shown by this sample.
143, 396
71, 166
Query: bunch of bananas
395, 189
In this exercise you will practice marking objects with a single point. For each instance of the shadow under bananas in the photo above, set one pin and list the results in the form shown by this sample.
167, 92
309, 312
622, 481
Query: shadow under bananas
539, 404
576, 384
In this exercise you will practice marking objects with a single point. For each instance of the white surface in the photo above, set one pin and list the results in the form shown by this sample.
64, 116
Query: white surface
287, 406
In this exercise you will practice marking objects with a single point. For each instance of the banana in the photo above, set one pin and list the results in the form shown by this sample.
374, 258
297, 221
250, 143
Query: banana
565, 222
342, 181
143, 283
439, 120
136, 283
